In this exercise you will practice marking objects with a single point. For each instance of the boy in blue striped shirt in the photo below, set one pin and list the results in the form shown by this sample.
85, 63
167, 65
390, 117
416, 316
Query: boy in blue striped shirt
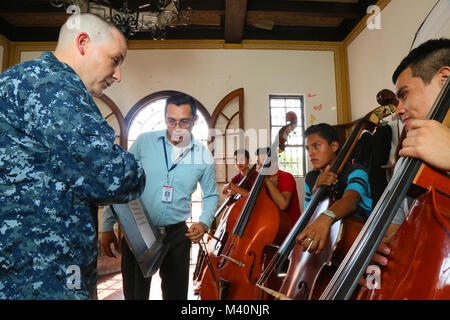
351, 187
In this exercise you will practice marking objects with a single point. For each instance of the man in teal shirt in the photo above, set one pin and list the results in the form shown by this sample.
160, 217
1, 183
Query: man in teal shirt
174, 163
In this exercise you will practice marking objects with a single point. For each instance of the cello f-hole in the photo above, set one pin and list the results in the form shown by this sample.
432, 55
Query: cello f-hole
302, 289
251, 253
219, 243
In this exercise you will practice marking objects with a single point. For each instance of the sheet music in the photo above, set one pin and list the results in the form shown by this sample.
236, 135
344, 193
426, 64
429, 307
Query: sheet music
142, 222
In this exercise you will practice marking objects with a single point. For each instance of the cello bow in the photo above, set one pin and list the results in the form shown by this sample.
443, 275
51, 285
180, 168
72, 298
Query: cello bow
360, 254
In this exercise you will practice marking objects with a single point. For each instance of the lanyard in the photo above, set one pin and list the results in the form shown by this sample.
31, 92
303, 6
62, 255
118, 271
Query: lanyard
185, 152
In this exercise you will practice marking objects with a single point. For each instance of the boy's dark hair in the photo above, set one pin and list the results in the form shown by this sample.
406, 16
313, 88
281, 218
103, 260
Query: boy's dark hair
242, 151
324, 130
426, 60
263, 151
180, 99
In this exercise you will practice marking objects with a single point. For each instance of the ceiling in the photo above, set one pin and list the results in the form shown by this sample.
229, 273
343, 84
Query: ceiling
231, 20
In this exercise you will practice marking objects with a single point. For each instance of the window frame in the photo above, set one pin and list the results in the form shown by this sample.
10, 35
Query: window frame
300, 125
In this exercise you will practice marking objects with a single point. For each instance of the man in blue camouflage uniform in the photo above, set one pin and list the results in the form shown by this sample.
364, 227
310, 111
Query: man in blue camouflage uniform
58, 163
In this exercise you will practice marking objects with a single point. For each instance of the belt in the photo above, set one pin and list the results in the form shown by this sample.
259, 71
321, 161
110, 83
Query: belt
171, 228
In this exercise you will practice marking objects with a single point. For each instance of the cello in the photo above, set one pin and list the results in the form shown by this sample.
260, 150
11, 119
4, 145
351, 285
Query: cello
428, 269
219, 235
308, 273
255, 221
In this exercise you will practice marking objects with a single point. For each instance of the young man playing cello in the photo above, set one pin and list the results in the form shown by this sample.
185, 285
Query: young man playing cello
351, 186
241, 161
281, 186
418, 80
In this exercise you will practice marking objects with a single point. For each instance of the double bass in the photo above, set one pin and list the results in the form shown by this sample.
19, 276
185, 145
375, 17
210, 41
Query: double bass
418, 267
218, 234
308, 273
232, 274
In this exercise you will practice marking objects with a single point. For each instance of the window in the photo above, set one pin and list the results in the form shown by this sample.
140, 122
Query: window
293, 158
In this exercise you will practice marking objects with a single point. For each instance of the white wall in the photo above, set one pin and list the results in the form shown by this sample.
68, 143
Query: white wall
208, 75
374, 54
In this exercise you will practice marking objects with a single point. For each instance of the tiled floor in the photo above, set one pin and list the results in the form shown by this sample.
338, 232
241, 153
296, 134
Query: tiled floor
110, 287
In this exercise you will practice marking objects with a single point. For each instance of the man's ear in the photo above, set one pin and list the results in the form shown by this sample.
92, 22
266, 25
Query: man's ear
82, 40
334, 146
443, 74
195, 119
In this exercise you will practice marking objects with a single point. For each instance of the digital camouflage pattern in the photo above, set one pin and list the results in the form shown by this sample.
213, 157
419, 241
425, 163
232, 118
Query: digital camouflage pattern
57, 164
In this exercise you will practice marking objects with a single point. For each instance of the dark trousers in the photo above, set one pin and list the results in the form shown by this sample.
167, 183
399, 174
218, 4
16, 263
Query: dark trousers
174, 270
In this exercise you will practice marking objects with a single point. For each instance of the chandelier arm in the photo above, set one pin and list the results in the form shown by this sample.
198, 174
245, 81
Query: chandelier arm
168, 14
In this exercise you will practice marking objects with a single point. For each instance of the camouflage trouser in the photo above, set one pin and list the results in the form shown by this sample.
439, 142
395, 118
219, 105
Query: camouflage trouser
28, 284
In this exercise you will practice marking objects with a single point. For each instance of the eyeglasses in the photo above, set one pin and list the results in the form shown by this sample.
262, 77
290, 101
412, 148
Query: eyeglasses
183, 123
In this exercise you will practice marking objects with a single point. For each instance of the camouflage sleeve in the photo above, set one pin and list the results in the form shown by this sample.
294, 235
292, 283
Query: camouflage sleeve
83, 158
108, 218
87, 161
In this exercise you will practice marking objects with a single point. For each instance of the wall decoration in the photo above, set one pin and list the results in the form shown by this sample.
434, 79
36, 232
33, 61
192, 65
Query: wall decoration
319, 107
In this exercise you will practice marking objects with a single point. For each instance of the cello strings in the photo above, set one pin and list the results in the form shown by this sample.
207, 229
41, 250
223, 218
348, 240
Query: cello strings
208, 259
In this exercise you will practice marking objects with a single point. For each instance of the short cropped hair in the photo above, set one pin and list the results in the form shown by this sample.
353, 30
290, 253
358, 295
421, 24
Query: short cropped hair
325, 131
426, 60
242, 151
99, 30
180, 99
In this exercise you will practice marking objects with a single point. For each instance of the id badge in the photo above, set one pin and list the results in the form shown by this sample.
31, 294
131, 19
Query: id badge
167, 194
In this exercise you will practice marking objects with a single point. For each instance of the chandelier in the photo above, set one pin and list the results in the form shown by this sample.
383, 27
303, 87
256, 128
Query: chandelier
155, 16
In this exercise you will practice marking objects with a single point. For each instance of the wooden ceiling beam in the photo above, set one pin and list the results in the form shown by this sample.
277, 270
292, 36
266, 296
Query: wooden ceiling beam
317, 7
235, 12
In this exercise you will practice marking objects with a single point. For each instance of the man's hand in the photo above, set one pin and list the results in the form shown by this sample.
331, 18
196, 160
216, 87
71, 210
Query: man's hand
380, 258
106, 238
428, 140
326, 178
273, 179
226, 188
196, 231
315, 235
229, 189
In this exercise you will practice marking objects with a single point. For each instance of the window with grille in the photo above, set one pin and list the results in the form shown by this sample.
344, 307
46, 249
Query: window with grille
293, 159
